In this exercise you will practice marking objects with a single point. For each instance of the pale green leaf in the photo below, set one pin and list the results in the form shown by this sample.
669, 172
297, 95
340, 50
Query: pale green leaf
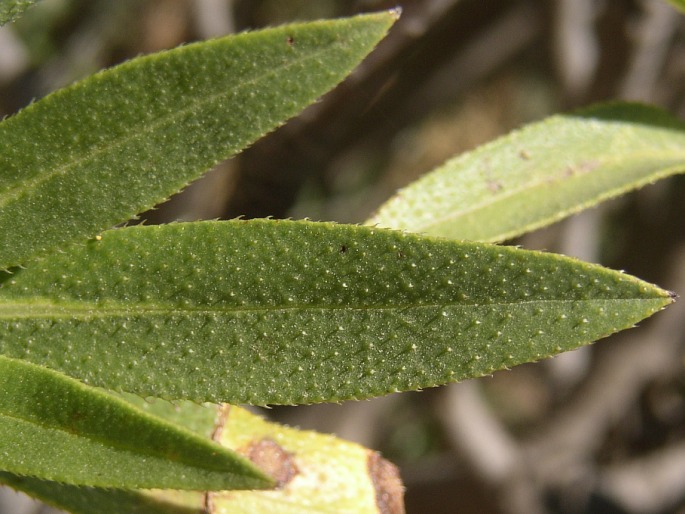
10, 10
297, 312
540, 174
94, 154
678, 4
86, 500
55, 428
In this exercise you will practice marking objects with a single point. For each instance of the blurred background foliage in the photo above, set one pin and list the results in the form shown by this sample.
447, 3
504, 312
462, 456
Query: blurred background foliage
598, 430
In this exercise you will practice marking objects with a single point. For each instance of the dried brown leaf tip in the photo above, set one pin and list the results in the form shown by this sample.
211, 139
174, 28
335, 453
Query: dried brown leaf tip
273, 460
387, 484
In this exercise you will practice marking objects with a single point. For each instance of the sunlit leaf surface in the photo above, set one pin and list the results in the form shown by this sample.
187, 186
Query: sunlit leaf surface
281, 312
93, 155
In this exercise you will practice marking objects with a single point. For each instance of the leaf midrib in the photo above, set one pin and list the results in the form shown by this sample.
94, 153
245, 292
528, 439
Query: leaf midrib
91, 311
141, 130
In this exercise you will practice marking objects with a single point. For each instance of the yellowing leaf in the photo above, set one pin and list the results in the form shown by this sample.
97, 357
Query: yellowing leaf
315, 473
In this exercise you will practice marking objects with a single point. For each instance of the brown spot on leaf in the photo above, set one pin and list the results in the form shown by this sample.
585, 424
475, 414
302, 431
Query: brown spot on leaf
494, 186
208, 503
587, 166
220, 422
343, 249
581, 168
491, 182
290, 40
273, 460
387, 484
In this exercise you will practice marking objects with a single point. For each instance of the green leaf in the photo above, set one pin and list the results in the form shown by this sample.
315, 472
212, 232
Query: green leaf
279, 312
55, 428
10, 10
86, 500
199, 418
678, 4
540, 174
94, 154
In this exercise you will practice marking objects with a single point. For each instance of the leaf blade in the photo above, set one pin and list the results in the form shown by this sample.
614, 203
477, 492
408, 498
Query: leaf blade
298, 312
94, 154
10, 10
541, 174
55, 428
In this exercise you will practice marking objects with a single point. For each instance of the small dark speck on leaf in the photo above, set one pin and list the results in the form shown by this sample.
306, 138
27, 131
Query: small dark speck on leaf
400, 255
343, 249
290, 40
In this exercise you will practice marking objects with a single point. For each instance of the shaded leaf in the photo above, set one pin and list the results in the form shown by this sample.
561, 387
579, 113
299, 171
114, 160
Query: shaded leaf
10, 10
316, 473
199, 418
281, 312
86, 500
55, 428
540, 174
96, 153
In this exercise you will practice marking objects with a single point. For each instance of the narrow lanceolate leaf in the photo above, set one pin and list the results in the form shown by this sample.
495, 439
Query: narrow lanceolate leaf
540, 174
10, 10
199, 418
295, 312
316, 473
95, 154
55, 428
86, 500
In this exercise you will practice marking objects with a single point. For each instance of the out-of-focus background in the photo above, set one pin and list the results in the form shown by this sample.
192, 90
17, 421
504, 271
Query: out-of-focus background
598, 430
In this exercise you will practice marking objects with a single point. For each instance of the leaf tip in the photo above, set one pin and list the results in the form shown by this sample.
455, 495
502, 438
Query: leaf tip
395, 13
